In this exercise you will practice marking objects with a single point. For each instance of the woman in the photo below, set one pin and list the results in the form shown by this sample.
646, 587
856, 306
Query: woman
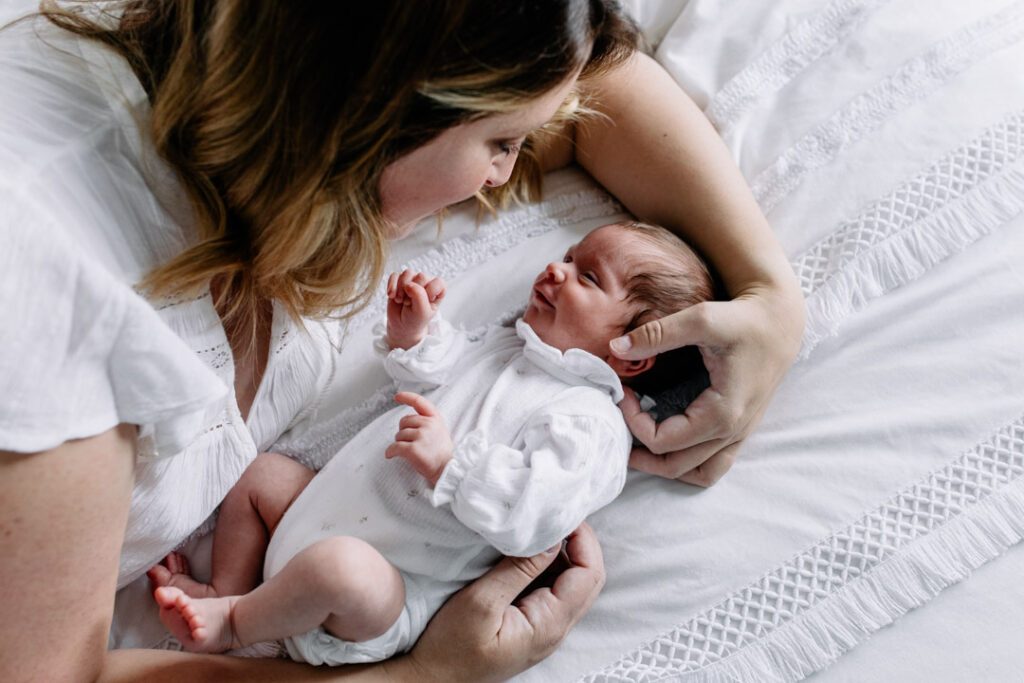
241, 164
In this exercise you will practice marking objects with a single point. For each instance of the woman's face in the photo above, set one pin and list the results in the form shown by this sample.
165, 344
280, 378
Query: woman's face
461, 160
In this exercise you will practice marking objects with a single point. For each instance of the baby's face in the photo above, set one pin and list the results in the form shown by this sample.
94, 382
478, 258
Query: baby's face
581, 302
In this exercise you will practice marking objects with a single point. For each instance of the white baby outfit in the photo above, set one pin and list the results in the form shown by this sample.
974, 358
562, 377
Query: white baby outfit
87, 208
539, 444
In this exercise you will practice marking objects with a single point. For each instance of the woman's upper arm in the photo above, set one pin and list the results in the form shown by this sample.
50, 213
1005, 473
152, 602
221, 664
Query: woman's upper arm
62, 519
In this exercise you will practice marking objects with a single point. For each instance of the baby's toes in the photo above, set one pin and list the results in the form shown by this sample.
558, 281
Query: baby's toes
167, 597
176, 563
195, 621
159, 575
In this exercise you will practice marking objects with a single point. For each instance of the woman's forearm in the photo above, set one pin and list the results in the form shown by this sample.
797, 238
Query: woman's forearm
658, 154
155, 666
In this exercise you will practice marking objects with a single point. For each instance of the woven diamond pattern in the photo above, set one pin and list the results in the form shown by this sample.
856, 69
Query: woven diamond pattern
943, 182
813, 576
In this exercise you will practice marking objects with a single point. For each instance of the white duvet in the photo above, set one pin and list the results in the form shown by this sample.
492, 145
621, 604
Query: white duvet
885, 142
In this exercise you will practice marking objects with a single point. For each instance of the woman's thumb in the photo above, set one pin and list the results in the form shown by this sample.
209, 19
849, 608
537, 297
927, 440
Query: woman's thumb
513, 575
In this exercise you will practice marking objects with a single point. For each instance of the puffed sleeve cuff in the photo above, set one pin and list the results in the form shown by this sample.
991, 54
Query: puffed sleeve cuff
429, 361
464, 457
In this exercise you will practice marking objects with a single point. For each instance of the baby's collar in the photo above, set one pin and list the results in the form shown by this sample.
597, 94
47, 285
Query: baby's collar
575, 365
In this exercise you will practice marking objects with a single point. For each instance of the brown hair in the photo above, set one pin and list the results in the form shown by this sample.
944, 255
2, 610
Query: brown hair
673, 278
281, 116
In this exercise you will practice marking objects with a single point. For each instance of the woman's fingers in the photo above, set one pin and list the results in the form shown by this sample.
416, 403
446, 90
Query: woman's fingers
695, 426
576, 588
712, 469
688, 327
702, 465
491, 633
676, 464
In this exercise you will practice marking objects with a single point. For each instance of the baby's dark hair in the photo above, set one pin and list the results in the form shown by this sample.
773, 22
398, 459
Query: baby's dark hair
673, 278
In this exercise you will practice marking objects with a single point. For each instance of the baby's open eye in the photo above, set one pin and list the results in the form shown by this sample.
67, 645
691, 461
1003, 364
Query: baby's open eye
590, 276
567, 258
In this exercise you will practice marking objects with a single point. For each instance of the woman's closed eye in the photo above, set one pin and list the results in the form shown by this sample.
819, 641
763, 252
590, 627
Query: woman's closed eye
509, 147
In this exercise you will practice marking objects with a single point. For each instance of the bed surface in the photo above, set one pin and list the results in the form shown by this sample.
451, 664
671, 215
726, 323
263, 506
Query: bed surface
885, 142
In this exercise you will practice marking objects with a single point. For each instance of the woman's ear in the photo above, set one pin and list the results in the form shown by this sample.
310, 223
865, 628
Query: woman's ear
629, 368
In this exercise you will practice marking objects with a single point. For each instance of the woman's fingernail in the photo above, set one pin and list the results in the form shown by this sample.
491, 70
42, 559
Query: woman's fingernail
621, 344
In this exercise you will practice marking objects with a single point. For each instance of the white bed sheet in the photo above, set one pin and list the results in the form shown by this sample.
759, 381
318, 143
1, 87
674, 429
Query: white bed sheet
885, 141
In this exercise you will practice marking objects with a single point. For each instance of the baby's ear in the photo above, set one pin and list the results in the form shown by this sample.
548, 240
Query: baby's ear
629, 368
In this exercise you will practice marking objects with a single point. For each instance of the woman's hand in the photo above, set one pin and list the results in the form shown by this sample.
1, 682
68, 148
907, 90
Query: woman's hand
485, 633
666, 163
747, 345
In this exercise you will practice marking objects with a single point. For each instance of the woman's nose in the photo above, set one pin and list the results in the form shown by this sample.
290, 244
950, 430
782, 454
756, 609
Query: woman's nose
501, 171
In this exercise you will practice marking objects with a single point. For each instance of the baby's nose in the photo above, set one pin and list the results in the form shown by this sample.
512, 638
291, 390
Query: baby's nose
555, 272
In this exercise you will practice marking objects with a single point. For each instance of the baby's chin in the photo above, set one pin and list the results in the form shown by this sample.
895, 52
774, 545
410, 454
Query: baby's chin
549, 336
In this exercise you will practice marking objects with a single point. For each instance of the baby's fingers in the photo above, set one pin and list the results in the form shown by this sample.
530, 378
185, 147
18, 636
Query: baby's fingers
417, 403
435, 290
417, 296
399, 449
413, 421
409, 434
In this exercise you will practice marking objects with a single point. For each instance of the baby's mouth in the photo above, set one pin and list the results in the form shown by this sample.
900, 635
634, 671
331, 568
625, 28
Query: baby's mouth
539, 295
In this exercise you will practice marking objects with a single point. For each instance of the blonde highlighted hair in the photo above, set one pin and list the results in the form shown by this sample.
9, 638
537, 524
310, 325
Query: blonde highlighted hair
280, 118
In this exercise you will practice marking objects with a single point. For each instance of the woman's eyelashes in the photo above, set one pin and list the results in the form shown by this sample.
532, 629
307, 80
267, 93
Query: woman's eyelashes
509, 147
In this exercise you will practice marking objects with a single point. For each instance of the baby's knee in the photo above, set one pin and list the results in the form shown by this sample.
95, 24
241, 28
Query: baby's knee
349, 561
356, 574
265, 472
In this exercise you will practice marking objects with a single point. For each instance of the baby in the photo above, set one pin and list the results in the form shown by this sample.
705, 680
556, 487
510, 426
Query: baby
519, 441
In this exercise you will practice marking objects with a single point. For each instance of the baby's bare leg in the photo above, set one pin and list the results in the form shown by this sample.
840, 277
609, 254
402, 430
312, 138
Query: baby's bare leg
341, 583
248, 516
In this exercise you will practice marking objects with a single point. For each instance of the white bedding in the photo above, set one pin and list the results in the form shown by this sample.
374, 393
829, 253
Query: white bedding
884, 140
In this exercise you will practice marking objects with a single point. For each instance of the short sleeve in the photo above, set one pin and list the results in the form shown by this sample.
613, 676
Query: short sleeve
81, 352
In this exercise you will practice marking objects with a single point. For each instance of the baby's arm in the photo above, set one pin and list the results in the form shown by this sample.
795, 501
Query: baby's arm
413, 298
422, 439
569, 461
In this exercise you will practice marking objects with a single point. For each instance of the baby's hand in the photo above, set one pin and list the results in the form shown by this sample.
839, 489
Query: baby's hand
422, 438
413, 299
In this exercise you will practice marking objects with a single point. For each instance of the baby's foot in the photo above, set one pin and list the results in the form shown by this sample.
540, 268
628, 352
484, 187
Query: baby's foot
175, 572
201, 625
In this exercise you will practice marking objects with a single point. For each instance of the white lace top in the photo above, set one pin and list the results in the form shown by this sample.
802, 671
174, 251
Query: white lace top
86, 209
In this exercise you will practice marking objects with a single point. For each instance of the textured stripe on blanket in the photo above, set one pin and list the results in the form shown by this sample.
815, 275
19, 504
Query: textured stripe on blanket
962, 197
913, 81
805, 614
